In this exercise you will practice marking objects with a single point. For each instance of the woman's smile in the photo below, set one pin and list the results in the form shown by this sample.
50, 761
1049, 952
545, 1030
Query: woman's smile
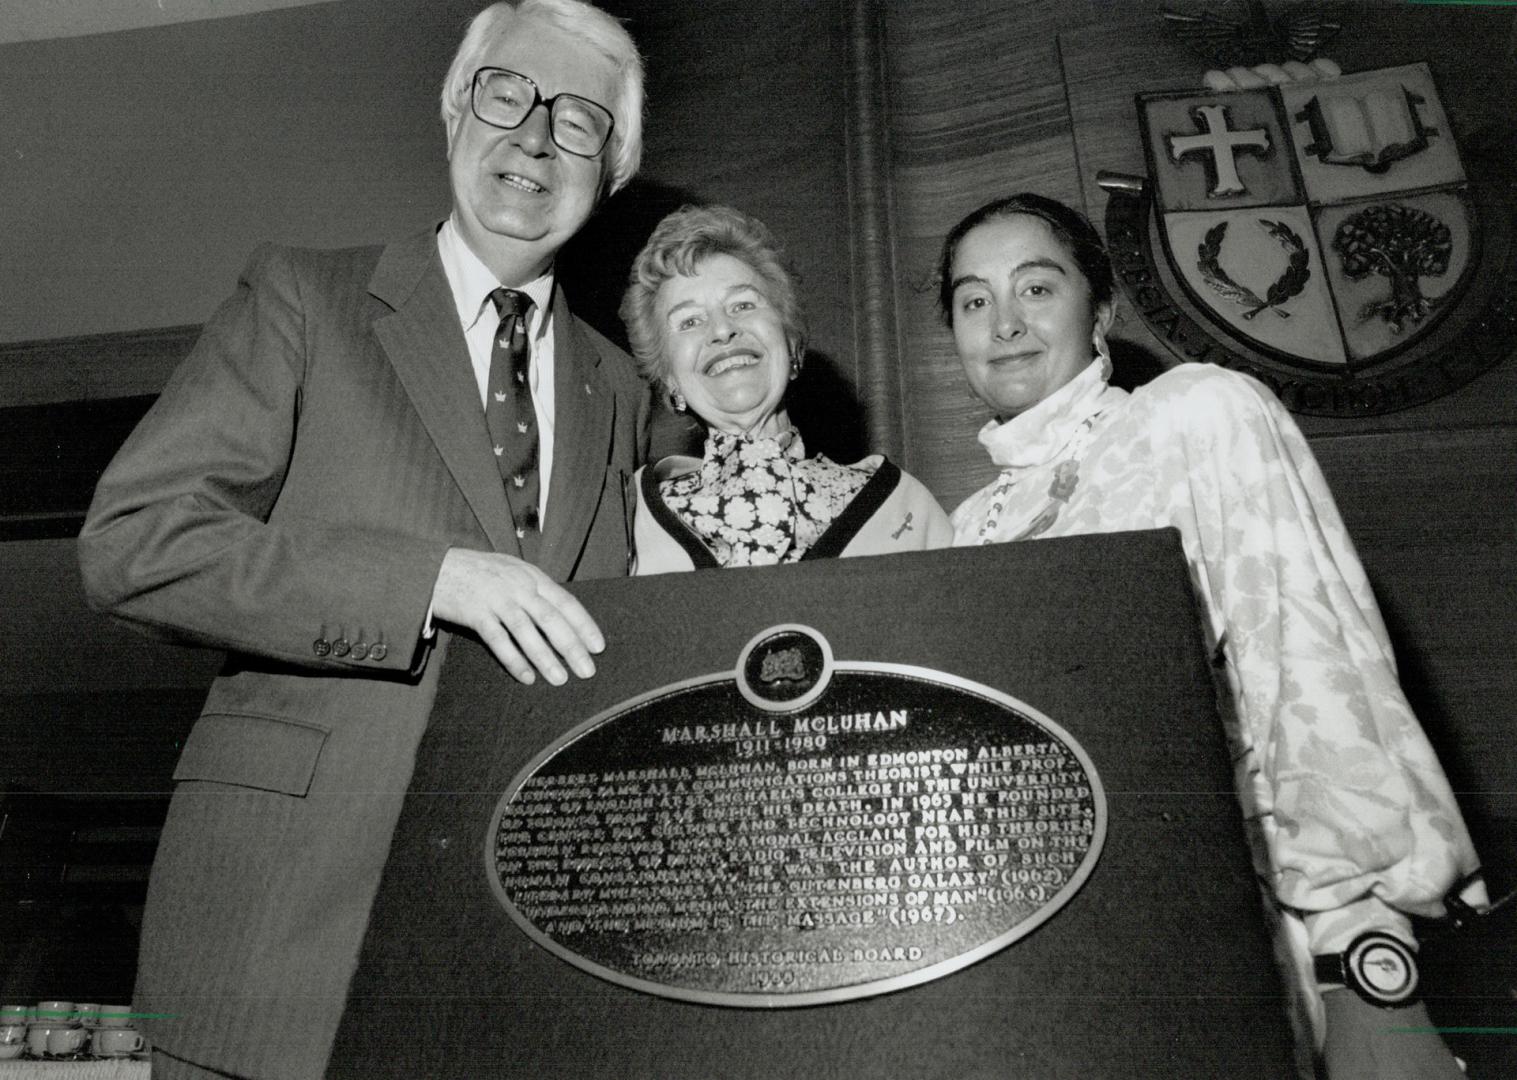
730, 360
729, 356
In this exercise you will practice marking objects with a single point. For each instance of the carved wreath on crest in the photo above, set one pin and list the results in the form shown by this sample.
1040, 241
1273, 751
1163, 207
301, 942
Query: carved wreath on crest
1289, 284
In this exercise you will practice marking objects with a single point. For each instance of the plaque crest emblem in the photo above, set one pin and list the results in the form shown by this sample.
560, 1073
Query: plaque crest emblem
782, 664
785, 668
1317, 235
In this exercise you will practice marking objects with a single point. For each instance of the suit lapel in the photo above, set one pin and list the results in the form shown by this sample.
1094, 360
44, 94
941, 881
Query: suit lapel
584, 408
425, 344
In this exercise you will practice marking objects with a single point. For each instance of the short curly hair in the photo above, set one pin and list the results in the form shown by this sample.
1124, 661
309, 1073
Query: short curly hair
678, 244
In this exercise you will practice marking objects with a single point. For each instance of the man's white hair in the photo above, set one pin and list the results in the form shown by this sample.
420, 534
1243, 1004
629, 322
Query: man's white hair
580, 20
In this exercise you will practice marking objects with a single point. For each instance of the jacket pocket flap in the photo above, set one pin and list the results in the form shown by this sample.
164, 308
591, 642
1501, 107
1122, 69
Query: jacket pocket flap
252, 751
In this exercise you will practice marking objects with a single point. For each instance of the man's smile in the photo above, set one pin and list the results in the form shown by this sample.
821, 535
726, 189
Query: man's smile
517, 180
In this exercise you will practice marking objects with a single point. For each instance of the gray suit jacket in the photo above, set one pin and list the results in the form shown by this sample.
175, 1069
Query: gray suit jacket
298, 482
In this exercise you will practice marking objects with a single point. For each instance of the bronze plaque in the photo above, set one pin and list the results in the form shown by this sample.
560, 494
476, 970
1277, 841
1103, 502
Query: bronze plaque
797, 830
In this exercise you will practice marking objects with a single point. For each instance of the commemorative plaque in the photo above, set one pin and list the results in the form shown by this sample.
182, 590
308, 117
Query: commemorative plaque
797, 830
945, 814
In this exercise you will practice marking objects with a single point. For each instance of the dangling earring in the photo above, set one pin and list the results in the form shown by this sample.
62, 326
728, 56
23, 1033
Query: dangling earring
795, 367
677, 399
1103, 352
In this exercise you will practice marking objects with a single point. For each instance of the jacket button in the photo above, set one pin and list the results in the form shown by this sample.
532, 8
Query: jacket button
360, 649
341, 647
321, 646
377, 651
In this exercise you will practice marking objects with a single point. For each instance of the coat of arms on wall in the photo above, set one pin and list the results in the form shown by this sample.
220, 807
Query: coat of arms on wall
1321, 235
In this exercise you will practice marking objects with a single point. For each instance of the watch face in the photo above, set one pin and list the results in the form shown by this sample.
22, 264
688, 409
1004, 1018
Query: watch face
1384, 968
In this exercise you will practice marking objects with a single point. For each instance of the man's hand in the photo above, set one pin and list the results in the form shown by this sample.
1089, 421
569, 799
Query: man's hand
513, 606
1368, 1043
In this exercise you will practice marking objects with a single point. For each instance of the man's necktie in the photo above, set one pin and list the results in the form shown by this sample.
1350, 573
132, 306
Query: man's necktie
511, 418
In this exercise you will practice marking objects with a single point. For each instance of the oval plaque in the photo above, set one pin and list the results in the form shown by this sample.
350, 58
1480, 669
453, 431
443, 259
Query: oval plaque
797, 830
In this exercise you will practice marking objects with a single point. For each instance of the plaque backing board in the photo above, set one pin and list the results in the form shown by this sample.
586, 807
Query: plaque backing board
1159, 966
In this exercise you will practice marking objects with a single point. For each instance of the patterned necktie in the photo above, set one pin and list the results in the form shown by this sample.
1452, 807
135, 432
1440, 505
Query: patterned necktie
511, 418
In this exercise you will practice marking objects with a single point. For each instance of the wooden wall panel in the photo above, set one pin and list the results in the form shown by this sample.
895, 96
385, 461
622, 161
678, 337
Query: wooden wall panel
876, 304
1434, 516
978, 110
51, 458
92, 367
86, 704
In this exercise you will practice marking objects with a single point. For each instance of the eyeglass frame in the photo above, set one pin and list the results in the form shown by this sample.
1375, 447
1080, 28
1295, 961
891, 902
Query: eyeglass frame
538, 99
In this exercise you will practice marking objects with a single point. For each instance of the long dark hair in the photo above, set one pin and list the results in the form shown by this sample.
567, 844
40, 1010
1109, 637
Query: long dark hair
1070, 226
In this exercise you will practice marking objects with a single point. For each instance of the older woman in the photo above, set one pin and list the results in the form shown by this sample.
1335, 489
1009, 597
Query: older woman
1352, 810
713, 319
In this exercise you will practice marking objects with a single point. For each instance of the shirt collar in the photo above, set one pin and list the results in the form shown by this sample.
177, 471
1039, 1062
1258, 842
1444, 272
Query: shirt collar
721, 445
1041, 433
472, 282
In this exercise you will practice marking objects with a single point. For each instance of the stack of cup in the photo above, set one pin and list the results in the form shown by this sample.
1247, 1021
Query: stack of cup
55, 1031
13, 1021
89, 1020
114, 1035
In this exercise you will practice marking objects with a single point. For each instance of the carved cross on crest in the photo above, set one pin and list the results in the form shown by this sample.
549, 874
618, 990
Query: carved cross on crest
1223, 144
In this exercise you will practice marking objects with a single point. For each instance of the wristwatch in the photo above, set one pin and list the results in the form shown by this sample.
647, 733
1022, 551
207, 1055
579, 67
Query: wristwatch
1378, 967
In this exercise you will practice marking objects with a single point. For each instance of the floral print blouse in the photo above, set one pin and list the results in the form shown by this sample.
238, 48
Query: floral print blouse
1335, 773
761, 501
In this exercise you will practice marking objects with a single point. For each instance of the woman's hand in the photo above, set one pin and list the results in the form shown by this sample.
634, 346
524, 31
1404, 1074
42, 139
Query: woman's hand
1369, 1043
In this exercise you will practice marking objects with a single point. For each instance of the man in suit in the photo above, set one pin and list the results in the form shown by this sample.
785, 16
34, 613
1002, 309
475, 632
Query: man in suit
326, 488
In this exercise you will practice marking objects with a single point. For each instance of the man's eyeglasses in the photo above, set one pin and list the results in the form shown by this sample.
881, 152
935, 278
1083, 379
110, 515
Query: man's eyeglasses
505, 99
